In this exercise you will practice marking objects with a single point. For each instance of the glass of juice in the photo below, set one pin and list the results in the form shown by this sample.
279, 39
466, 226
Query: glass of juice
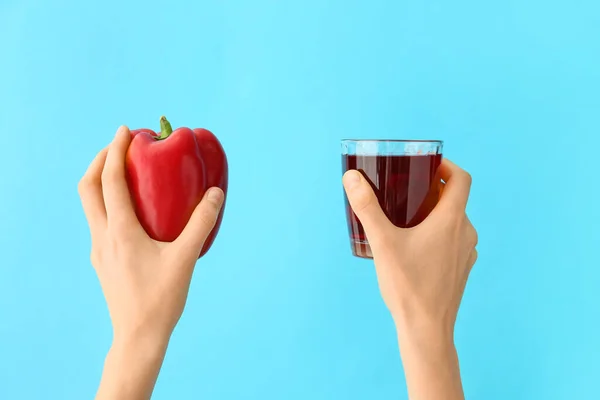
403, 175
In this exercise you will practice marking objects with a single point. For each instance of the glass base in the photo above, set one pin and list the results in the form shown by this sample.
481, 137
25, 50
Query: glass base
361, 249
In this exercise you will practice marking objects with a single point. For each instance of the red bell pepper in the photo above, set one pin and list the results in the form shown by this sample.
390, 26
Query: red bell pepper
168, 174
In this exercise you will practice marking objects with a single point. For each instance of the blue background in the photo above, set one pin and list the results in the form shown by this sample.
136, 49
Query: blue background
279, 309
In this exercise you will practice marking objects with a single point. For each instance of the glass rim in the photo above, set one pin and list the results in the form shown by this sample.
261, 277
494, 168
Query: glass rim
394, 141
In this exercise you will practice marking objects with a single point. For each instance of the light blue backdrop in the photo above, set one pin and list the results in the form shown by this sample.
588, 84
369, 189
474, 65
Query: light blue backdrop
279, 309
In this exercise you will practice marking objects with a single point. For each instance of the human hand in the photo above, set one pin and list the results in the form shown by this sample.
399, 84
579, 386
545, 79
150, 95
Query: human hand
145, 282
422, 271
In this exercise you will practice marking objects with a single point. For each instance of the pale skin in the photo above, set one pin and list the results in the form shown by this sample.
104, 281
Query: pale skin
145, 282
422, 273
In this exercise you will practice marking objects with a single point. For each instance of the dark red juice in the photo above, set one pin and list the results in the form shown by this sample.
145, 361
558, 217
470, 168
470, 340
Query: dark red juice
406, 186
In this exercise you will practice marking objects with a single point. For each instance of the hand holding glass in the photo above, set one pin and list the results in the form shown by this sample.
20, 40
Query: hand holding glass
403, 175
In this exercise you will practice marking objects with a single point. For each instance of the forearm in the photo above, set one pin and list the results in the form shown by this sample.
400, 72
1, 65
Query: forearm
430, 365
131, 368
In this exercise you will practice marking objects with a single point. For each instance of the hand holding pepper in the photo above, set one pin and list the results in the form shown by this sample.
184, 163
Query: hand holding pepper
169, 172
145, 281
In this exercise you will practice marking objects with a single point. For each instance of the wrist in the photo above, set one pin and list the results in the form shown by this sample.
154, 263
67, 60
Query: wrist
131, 366
426, 345
411, 323
422, 335
430, 361
143, 344
141, 334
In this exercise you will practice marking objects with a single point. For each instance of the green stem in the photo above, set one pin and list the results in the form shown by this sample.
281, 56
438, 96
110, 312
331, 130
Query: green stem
165, 128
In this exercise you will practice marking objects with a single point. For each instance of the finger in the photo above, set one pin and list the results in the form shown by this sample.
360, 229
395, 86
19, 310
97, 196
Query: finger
90, 192
117, 199
365, 205
457, 188
201, 223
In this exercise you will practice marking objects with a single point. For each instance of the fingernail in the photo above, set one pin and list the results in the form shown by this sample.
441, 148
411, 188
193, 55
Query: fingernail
215, 195
351, 179
121, 131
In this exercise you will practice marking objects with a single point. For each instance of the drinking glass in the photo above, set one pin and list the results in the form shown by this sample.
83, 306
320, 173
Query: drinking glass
403, 175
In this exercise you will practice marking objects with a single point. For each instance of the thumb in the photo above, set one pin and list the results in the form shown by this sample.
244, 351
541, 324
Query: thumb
364, 203
201, 222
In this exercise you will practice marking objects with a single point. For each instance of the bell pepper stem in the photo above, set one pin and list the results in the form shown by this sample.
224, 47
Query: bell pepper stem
165, 128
